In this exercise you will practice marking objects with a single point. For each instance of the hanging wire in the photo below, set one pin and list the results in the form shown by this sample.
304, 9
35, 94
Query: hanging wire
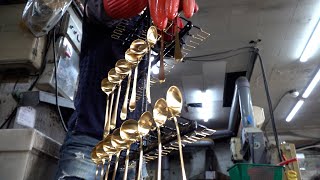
217, 59
56, 82
222, 52
266, 87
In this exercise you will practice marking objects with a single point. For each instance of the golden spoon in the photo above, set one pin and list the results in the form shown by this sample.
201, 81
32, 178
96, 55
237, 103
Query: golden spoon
102, 155
96, 160
115, 78
144, 126
107, 87
160, 114
129, 132
133, 55
123, 68
120, 144
174, 102
134, 59
152, 37
110, 150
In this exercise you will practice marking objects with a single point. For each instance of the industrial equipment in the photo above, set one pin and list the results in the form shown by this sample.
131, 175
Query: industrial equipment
251, 139
19, 49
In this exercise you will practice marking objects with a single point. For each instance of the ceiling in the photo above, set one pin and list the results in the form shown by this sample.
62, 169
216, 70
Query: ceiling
284, 27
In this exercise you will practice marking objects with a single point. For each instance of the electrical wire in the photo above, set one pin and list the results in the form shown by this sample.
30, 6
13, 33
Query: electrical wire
10, 117
219, 53
218, 59
266, 87
43, 65
56, 81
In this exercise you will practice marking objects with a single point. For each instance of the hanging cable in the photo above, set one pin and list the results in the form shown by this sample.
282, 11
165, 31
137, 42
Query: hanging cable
218, 59
266, 87
56, 81
222, 52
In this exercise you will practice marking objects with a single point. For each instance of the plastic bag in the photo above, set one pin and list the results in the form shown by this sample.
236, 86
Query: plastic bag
40, 16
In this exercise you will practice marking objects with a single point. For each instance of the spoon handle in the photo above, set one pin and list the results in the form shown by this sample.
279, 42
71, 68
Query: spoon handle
140, 158
132, 104
184, 177
123, 114
126, 164
97, 172
148, 93
106, 121
159, 154
177, 48
113, 121
116, 166
107, 171
161, 73
102, 170
110, 108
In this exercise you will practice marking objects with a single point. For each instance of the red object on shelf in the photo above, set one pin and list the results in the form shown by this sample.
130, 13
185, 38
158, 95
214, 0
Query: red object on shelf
188, 8
123, 9
196, 8
287, 161
172, 7
169, 38
158, 13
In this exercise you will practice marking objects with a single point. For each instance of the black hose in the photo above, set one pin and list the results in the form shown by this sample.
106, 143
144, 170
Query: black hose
266, 87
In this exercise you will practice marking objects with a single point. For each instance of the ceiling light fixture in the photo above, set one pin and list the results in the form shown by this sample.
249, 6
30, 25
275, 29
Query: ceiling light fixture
312, 44
294, 110
312, 85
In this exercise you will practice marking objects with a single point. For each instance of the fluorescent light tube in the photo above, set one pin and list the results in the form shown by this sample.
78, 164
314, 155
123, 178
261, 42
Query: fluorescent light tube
312, 85
312, 44
294, 110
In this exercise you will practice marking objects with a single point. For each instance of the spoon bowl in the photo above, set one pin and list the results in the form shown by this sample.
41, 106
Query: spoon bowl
123, 67
160, 112
174, 100
145, 123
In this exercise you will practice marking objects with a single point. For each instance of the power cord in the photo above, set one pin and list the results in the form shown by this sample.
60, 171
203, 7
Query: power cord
222, 52
56, 81
266, 87
218, 59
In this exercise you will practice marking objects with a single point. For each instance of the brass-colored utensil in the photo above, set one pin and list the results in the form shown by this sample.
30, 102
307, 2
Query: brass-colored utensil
139, 46
132, 103
161, 71
129, 132
133, 59
124, 109
144, 126
96, 160
102, 155
122, 67
115, 78
177, 48
174, 102
107, 87
120, 144
160, 114
110, 150
152, 37
134, 54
